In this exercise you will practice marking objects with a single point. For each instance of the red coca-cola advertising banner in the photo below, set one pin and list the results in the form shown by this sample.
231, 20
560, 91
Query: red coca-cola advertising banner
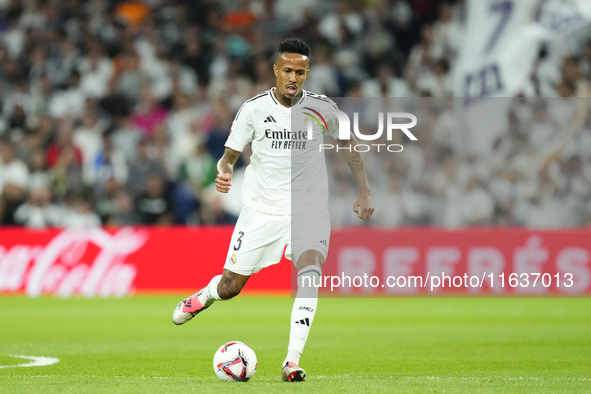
117, 262
401, 262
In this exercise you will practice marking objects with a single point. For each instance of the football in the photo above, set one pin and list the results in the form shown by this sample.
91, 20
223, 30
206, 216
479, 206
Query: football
235, 361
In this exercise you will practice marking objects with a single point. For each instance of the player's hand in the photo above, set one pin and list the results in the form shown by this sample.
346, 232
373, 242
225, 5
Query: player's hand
223, 183
363, 206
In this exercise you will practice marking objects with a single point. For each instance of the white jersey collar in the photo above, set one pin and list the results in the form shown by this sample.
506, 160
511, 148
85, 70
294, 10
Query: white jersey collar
272, 94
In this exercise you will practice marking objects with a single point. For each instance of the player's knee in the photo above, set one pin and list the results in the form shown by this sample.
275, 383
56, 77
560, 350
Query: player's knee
310, 258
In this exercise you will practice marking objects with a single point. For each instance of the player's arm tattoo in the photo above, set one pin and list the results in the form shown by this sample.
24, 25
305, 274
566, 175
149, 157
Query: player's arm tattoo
226, 163
353, 159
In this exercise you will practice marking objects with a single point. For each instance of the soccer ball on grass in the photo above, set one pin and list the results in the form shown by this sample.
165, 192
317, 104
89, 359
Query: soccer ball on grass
235, 361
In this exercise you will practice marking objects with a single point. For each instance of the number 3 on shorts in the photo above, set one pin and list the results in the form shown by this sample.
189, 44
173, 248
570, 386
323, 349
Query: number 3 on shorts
239, 241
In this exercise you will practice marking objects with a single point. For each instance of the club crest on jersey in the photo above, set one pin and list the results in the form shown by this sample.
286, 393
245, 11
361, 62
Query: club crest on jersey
233, 259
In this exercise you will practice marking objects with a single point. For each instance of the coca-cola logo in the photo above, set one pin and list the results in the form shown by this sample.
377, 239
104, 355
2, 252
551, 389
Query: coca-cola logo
88, 262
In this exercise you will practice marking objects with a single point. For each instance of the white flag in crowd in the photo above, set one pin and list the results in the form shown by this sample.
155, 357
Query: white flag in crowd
503, 39
497, 58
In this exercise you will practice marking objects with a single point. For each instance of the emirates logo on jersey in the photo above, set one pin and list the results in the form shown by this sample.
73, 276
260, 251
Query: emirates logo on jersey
285, 139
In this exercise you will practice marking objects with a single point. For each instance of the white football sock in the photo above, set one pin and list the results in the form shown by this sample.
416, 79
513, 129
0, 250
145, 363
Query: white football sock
292, 355
210, 293
302, 314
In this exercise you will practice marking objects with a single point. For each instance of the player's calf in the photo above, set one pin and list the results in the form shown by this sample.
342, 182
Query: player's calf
231, 284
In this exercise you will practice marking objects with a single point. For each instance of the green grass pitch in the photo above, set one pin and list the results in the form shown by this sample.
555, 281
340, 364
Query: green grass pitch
356, 345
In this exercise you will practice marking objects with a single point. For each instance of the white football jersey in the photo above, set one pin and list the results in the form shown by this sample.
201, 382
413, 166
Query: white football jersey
286, 166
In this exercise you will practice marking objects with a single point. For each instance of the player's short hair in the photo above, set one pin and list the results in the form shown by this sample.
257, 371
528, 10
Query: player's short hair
294, 45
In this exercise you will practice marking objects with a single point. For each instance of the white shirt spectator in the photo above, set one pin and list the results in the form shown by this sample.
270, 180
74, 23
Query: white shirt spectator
322, 78
437, 85
477, 205
126, 140
542, 213
67, 103
95, 75
330, 25
39, 217
183, 136
452, 208
14, 173
185, 76
90, 142
32, 18
38, 212
446, 129
79, 217
14, 39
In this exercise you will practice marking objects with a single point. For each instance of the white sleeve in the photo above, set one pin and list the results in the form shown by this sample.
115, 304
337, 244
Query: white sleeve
242, 131
333, 126
332, 121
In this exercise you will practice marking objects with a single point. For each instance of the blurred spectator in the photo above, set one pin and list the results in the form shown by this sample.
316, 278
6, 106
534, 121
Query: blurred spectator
109, 164
64, 141
477, 206
181, 127
385, 81
106, 205
38, 211
77, 212
96, 71
128, 85
88, 139
154, 206
65, 61
141, 168
199, 168
65, 161
69, 102
124, 213
333, 24
148, 114
14, 179
196, 58
126, 137
212, 211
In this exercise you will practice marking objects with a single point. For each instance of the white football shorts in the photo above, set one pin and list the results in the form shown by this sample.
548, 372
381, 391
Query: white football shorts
259, 239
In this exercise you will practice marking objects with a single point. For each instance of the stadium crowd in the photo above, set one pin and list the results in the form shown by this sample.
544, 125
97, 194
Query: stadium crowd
115, 112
